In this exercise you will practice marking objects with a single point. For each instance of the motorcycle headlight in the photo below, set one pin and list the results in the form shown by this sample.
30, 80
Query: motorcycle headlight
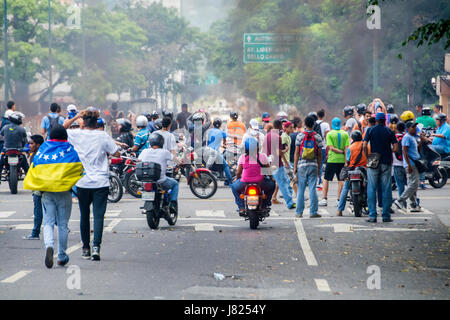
437, 163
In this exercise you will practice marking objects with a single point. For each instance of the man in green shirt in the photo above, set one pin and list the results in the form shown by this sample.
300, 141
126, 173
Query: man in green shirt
426, 119
337, 142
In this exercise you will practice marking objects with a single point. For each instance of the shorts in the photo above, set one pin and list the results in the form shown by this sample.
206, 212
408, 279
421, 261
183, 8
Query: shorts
332, 169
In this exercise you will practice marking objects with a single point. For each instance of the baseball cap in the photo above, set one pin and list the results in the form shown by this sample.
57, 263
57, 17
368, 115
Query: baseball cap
71, 107
287, 124
410, 124
336, 124
254, 124
265, 116
380, 116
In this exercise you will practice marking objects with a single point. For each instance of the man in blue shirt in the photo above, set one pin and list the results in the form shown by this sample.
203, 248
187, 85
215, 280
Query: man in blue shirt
151, 124
141, 141
410, 154
441, 139
52, 119
217, 137
381, 139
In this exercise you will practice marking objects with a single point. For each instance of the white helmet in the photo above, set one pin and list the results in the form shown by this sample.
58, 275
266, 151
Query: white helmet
141, 121
282, 115
71, 107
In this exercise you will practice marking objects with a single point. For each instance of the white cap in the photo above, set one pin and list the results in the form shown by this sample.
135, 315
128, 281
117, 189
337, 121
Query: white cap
71, 107
254, 124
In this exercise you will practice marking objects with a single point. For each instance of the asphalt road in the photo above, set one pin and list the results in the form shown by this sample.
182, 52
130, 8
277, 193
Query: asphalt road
286, 258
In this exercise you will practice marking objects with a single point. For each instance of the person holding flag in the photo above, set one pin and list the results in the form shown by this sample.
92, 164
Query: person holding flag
55, 169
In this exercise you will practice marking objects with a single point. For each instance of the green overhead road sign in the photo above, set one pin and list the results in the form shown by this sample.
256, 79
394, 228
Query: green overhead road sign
269, 47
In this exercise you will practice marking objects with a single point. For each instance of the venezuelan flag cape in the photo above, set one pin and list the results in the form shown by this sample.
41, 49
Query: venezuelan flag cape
56, 167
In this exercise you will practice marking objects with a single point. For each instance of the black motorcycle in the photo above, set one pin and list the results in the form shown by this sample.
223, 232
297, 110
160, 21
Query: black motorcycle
255, 212
12, 171
358, 191
156, 199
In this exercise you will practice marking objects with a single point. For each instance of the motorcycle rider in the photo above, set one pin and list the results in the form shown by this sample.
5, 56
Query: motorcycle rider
235, 129
355, 158
157, 154
198, 124
249, 170
125, 135
360, 111
15, 137
11, 107
111, 117
217, 138
441, 139
141, 140
151, 123
426, 119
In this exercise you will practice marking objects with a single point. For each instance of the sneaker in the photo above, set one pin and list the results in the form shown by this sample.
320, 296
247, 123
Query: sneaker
339, 213
95, 254
397, 204
62, 263
391, 211
415, 209
294, 205
372, 220
31, 237
241, 212
388, 220
423, 186
86, 253
316, 216
299, 216
323, 203
49, 257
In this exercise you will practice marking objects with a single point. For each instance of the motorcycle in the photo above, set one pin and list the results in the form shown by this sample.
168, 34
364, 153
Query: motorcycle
255, 212
12, 172
358, 191
156, 200
115, 188
444, 165
435, 173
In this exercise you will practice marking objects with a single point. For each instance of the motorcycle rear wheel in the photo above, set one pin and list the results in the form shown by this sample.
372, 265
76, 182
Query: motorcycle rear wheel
130, 186
13, 178
357, 207
205, 179
152, 219
115, 188
439, 183
253, 219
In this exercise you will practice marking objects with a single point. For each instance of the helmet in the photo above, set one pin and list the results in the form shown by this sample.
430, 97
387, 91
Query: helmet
251, 144
16, 117
156, 139
141, 121
442, 117
348, 111
265, 116
71, 107
234, 115
76, 124
356, 135
148, 116
217, 123
158, 124
154, 115
100, 122
197, 117
394, 119
125, 124
167, 113
313, 115
282, 115
407, 116
426, 111
361, 108
390, 108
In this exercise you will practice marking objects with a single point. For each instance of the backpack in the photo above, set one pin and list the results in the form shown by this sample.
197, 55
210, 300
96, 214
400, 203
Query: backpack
399, 154
317, 128
53, 122
308, 148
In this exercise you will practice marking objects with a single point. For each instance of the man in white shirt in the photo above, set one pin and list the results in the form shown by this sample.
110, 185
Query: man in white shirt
324, 129
170, 141
157, 154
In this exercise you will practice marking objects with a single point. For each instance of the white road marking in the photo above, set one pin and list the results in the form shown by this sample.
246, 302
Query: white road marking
6, 214
113, 213
424, 211
322, 285
324, 212
240, 293
350, 211
19, 226
206, 226
340, 227
345, 227
210, 213
112, 225
309, 255
17, 276
274, 214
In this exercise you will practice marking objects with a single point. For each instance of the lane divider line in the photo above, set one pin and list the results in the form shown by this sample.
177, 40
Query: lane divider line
17, 276
322, 285
6, 214
112, 224
304, 244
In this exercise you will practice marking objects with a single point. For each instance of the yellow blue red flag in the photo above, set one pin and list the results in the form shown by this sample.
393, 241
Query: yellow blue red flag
56, 167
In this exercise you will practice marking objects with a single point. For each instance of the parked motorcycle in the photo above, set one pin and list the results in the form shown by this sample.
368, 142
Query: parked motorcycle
115, 188
11, 171
358, 191
255, 212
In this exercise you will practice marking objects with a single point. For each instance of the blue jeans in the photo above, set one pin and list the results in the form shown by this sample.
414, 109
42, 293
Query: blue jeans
57, 207
38, 215
172, 185
400, 179
344, 193
282, 180
267, 186
324, 155
383, 175
307, 174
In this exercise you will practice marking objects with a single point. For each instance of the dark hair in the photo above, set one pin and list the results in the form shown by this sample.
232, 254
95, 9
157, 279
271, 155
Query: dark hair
58, 132
401, 127
114, 105
90, 118
439, 107
54, 107
372, 121
297, 122
38, 139
321, 113
419, 105
309, 122
184, 105
277, 124
166, 122
10, 104
368, 112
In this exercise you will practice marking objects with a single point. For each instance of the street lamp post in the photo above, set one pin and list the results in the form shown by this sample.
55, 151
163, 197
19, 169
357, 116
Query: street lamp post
83, 57
5, 29
50, 50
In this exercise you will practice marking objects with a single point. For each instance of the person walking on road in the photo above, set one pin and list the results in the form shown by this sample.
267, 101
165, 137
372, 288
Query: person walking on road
182, 117
324, 129
93, 147
382, 143
51, 119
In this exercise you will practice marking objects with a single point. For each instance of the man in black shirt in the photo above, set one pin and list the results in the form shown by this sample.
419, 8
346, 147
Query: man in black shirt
182, 117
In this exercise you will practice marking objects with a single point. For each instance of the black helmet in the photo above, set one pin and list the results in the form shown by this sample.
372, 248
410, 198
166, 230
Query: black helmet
156, 139
158, 124
442, 117
148, 116
154, 115
348, 111
426, 111
356, 135
16, 117
217, 123
390, 108
167, 113
198, 117
394, 119
234, 115
313, 115
125, 124
361, 108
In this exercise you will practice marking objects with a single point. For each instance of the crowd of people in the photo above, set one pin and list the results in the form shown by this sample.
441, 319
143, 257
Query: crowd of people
287, 155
